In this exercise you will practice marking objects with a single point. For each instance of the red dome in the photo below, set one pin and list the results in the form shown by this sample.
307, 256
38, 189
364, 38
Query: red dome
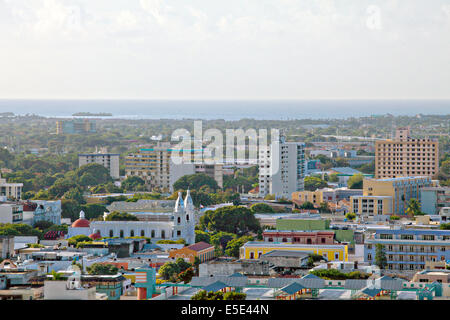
95, 236
81, 223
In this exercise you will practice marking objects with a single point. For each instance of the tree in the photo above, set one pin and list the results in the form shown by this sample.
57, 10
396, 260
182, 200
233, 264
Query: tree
445, 226
350, 216
186, 276
102, 269
93, 174
183, 264
232, 295
414, 208
261, 208
232, 219
333, 177
73, 241
195, 182
314, 183
324, 207
202, 236
169, 270
94, 210
233, 246
380, 256
74, 194
355, 181
133, 183
220, 240
307, 206
121, 216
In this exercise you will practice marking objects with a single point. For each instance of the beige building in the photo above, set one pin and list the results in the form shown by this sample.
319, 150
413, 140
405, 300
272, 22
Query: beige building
405, 156
156, 168
109, 160
388, 196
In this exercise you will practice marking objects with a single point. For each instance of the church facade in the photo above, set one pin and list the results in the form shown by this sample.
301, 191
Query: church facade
181, 225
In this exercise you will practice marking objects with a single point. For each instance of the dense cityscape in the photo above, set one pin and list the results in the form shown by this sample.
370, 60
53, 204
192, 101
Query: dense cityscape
356, 209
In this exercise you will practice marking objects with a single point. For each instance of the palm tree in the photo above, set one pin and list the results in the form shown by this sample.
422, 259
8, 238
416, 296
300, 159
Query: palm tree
413, 208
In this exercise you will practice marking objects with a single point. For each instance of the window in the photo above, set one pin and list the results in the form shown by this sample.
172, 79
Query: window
132, 233
252, 255
153, 233
111, 233
163, 234
142, 233
385, 236
121, 233
407, 237
369, 256
428, 237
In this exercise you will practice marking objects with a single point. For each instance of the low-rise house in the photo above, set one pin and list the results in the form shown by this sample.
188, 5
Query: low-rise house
204, 251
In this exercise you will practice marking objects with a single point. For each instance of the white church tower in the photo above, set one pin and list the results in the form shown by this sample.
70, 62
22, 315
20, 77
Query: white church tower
189, 211
184, 219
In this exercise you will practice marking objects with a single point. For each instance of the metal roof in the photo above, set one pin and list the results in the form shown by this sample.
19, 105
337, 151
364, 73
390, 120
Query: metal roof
216, 286
292, 288
228, 280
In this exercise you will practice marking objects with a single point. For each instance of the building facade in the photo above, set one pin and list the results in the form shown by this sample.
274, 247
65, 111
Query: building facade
181, 225
109, 160
433, 199
325, 195
255, 249
388, 196
156, 167
409, 249
75, 126
11, 212
405, 156
282, 168
303, 237
202, 250
10, 190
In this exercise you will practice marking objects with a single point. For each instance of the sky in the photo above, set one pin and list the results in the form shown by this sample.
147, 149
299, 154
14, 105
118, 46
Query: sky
233, 49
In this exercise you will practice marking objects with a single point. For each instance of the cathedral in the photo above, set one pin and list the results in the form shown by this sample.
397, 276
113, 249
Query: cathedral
180, 225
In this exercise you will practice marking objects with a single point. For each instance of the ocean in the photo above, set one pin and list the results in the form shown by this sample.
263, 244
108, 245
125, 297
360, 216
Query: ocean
228, 109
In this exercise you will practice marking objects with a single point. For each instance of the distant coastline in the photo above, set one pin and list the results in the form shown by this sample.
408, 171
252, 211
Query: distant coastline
90, 114
227, 110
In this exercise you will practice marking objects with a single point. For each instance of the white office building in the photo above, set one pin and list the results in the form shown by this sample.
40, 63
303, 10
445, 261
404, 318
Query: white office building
282, 168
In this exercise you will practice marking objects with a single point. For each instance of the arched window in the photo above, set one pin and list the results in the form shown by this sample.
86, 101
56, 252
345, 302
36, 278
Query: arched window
153, 233
142, 233
111, 233
121, 233
163, 234
179, 220
187, 217
132, 233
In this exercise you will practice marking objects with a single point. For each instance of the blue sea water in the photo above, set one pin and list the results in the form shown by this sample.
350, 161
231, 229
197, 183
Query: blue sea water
228, 109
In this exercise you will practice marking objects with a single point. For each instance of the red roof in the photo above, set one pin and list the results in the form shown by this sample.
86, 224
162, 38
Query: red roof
199, 246
95, 236
53, 235
81, 223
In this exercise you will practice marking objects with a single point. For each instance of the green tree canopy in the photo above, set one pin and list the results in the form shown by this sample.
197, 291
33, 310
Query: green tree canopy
261, 208
233, 219
355, 181
233, 246
121, 216
314, 183
195, 182
102, 269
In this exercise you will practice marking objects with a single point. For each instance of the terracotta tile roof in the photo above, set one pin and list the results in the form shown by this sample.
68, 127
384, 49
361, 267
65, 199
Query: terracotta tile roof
199, 246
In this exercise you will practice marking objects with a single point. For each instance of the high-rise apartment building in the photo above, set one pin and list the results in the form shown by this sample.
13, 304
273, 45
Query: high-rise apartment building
282, 168
109, 160
405, 156
75, 126
156, 168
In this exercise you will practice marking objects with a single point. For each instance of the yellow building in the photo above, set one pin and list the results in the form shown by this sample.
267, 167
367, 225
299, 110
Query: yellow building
388, 196
405, 156
325, 195
371, 205
255, 249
